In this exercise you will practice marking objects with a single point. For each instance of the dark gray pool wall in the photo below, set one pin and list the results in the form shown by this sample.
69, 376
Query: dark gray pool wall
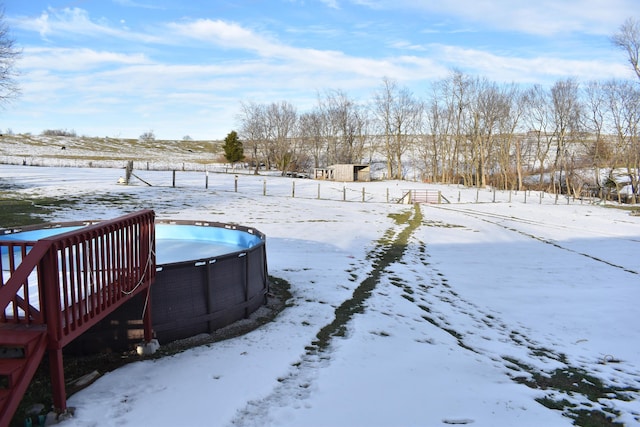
188, 298
201, 296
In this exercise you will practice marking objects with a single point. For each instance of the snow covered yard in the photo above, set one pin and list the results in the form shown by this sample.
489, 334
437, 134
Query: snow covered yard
466, 313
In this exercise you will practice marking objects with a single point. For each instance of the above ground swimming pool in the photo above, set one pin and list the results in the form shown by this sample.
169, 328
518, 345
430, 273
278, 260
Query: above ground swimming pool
208, 275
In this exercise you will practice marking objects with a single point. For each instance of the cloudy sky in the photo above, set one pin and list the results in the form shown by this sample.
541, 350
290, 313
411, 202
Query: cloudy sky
177, 68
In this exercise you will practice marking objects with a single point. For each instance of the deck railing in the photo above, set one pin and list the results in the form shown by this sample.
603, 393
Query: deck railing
17, 294
72, 280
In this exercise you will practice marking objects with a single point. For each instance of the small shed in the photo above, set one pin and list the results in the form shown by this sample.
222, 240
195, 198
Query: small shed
344, 172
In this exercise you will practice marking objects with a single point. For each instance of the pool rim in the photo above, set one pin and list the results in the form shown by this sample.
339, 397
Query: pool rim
158, 221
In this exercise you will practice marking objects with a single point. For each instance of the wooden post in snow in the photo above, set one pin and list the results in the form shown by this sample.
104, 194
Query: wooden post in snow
128, 172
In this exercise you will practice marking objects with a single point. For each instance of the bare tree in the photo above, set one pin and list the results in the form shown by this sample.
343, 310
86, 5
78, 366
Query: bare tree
434, 147
459, 89
492, 107
253, 130
9, 53
539, 119
628, 39
148, 136
399, 117
596, 113
450, 126
311, 131
281, 146
509, 148
567, 114
624, 98
344, 128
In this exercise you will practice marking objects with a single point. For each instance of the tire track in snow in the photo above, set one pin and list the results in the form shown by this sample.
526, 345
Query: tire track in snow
297, 384
480, 331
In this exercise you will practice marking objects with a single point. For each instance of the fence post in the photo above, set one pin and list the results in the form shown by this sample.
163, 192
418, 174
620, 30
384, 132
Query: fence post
318, 191
477, 194
174, 178
363, 194
236, 184
387, 194
494, 194
439, 197
264, 187
293, 189
344, 193
525, 197
206, 180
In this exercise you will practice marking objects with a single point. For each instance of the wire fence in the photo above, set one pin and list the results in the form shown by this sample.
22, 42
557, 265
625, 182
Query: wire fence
274, 185
242, 179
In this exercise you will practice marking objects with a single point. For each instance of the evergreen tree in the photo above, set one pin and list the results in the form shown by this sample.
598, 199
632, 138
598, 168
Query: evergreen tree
233, 150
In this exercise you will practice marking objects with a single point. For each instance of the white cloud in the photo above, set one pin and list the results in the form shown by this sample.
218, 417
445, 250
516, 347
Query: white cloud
406, 45
307, 60
131, 3
75, 21
333, 4
71, 59
541, 17
540, 69
221, 33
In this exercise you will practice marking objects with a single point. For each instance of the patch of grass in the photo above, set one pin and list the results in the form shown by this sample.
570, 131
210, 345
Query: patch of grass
98, 148
387, 251
431, 320
441, 224
574, 381
593, 418
557, 405
631, 208
401, 218
15, 212
424, 308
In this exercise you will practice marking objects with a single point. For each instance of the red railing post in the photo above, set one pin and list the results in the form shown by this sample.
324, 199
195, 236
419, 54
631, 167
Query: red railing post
57, 380
49, 283
148, 250
147, 324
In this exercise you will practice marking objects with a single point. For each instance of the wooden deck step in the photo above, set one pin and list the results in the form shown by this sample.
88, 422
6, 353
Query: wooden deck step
17, 341
21, 350
10, 369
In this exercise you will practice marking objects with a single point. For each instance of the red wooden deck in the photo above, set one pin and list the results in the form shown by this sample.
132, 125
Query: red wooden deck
81, 276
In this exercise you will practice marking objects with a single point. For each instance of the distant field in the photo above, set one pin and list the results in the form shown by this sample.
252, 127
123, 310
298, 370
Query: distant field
40, 150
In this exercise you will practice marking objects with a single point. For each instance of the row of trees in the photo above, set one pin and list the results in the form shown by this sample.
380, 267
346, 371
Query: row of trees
465, 129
